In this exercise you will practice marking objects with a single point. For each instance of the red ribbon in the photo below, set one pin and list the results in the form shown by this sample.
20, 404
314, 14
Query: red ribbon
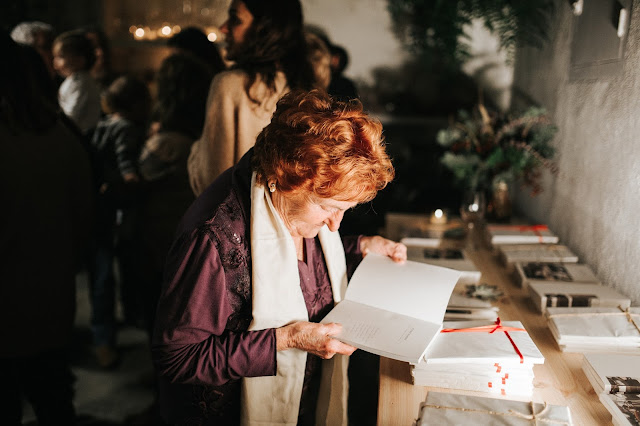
536, 229
490, 329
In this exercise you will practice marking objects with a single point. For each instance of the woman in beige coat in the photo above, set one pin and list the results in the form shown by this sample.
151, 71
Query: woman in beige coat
266, 41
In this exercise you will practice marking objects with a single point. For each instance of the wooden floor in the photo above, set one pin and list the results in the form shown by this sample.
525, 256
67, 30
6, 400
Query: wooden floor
560, 380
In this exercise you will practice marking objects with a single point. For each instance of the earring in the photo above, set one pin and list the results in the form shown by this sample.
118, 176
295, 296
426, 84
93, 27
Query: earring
272, 187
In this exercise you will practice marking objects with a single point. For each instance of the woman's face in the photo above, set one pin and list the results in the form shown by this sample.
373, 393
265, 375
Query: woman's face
235, 27
304, 216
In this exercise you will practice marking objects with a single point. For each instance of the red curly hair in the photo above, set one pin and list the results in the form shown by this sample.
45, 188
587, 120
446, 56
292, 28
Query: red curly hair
327, 148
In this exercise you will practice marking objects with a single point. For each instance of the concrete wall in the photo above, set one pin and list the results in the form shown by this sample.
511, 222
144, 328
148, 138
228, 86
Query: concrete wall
362, 27
593, 203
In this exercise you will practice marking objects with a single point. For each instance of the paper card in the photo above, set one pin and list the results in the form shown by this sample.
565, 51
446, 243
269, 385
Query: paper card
453, 409
546, 295
615, 373
392, 309
521, 234
586, 323
553, 272
625, 408
512, 253
451, 258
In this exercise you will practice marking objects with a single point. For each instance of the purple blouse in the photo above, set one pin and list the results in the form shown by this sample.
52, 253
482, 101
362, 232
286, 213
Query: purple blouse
201, 345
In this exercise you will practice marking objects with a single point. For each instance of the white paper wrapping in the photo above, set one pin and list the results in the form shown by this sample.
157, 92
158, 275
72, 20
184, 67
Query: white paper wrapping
474, 347
594, 329
452, 409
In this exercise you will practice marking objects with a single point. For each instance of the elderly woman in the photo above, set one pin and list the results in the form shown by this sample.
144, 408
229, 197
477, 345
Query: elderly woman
258, 262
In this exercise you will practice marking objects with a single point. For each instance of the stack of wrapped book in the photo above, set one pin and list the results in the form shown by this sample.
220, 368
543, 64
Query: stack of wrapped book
509, 254
452, 409
492, 357
461, 307
452, 258
553, 273
596, 329
616, 380
520, 234
567, 295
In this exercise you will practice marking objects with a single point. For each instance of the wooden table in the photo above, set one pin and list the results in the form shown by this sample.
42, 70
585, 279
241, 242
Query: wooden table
560, 380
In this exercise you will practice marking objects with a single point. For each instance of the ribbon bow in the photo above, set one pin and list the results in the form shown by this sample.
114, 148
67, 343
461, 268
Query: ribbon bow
497, 326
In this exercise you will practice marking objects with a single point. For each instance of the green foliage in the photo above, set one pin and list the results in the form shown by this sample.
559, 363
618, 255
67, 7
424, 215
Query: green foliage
486, 147
436, 28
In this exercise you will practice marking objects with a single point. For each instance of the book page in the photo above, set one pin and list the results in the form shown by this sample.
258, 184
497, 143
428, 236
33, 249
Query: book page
413, 289
382, 332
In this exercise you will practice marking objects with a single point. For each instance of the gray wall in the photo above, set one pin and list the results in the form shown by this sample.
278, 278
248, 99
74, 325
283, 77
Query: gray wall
593, 203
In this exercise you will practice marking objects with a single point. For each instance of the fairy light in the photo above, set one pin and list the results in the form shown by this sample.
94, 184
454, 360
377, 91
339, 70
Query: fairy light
166, 31
212, 36
139, 32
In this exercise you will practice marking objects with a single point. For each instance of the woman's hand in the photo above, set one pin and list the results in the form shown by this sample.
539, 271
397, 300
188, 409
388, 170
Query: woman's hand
313, 338
396, 251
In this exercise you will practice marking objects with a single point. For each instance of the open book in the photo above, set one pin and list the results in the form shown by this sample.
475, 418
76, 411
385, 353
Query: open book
394, 310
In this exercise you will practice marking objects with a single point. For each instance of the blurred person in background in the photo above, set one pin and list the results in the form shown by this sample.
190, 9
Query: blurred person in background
116, 142
38, 35
341, 87
194, 41
101, 70
79, 94
45, 221
266, 42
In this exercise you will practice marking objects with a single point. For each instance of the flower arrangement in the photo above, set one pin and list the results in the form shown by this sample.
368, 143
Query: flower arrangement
485, 148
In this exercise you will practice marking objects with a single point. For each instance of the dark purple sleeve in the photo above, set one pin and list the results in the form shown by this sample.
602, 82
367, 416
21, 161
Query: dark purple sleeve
191, 344
351, 244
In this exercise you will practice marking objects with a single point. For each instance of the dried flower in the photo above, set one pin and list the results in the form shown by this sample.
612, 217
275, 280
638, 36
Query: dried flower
484, 148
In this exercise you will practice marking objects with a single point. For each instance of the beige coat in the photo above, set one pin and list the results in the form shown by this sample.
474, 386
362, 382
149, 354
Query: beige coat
234, 120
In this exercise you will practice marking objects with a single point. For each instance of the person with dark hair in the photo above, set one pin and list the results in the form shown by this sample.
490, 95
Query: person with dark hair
182, 82
266, 41
101, 70
45, 182
38, 35
117, 141
194, 41
165, 194
79, 94
340, 87
257, 262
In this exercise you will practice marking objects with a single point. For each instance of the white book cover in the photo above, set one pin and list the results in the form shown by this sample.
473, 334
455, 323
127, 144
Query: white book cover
512, 346
421, 242
521, 234
554, 272
567, 295
453, 409
512, 253
393, 310
593, 325
452, 258
613, 373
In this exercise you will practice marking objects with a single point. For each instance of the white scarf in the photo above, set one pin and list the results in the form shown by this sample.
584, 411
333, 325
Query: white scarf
278, 301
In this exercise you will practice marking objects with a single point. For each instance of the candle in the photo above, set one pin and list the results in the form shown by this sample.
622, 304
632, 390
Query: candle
438, 217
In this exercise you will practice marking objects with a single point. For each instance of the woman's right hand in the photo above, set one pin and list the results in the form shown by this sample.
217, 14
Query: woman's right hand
313, 338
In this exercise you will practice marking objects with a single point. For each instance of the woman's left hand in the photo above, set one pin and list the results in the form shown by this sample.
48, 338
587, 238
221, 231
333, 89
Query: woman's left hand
396, 251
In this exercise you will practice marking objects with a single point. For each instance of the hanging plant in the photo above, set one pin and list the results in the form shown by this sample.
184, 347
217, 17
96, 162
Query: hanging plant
436, 28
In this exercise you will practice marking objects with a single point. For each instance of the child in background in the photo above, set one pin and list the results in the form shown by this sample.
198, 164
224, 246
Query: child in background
79, 95
116, 141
